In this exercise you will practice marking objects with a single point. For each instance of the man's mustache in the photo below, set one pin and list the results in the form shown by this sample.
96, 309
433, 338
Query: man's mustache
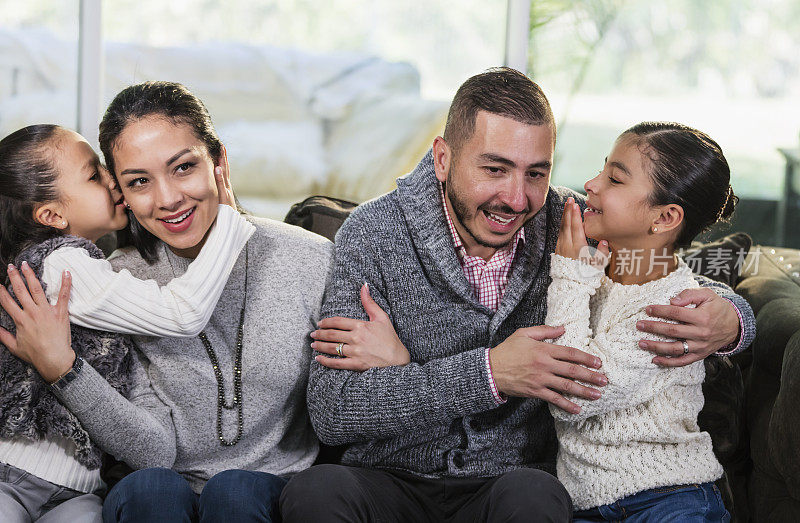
504, 209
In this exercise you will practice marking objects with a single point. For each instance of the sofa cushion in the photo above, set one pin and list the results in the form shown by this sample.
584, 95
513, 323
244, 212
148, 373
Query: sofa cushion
772, 375
722, 260
320, 214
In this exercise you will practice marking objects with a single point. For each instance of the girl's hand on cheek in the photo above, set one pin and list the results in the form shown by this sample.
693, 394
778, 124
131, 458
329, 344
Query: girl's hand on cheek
222, 175
572, 238
43, 336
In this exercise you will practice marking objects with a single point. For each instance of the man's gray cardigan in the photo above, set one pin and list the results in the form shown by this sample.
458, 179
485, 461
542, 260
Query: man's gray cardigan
437, 416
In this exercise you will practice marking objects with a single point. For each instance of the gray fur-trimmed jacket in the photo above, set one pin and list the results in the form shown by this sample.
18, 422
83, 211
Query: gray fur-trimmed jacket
28, 408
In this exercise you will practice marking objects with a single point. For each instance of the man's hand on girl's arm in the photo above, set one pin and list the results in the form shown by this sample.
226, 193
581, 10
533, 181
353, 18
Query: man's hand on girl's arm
526, 365
43, 336
712, 325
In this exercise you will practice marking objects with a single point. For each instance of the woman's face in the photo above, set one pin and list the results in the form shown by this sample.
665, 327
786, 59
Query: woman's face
167, 177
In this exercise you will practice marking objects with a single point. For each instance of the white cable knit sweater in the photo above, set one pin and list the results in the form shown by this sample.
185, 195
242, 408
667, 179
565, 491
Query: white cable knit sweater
642, 433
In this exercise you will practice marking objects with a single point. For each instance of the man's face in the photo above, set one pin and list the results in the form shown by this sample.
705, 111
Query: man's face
497, 181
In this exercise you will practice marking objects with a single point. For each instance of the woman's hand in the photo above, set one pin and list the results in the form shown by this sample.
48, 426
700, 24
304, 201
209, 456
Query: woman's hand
572, 238
222, 175
43, 334
366, 344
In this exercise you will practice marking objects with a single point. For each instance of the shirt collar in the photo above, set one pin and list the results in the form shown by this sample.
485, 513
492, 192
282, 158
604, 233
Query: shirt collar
459, 245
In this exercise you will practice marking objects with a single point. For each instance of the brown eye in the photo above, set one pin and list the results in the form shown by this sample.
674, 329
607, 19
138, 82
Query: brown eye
182, 168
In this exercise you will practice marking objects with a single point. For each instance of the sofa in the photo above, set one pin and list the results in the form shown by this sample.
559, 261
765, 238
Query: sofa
748, 410
763, 470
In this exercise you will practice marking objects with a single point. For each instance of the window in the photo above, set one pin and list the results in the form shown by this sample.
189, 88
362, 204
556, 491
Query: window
334, 98
38, 63
729, 68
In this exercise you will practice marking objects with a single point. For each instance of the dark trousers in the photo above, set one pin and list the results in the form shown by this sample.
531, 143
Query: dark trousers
337, 493
159, 494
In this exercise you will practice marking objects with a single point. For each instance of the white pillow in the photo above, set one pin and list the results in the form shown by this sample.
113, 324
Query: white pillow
275, 159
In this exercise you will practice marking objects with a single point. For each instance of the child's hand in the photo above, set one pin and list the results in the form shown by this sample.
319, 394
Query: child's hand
43, 332
222, 175
572, 238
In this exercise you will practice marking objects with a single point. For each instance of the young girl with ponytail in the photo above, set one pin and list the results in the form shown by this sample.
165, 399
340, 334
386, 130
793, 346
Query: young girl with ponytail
637, 451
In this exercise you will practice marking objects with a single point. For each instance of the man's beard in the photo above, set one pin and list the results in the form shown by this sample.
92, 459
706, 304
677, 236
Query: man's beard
462, 212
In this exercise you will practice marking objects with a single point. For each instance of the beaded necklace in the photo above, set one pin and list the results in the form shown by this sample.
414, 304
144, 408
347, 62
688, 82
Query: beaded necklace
237, 402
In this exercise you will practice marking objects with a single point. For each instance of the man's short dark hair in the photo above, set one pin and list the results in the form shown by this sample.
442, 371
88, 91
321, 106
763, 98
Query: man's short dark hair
503, 91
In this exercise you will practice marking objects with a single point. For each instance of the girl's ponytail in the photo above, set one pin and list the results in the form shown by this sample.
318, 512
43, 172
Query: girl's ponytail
27, 179
725, 212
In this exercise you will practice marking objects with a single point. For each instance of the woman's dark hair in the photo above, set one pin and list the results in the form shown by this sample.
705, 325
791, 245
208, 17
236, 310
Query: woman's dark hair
169, 100
27, 180
687, 169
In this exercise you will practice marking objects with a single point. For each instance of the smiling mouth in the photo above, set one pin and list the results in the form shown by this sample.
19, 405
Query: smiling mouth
176, 219
591, 209
500, 220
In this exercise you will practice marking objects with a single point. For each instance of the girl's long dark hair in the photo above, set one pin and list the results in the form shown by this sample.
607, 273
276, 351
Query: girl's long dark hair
27, 180
172, 101
687, 169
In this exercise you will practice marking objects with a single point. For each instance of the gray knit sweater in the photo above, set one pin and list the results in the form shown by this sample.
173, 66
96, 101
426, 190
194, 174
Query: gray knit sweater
436, 416
171, 418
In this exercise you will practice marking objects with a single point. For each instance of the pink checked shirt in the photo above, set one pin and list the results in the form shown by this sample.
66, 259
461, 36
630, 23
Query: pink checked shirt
488, 279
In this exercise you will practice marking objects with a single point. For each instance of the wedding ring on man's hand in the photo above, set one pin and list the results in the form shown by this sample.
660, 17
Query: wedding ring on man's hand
339, 348
685, 347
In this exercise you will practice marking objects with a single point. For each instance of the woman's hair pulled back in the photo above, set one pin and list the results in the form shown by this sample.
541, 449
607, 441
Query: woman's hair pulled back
27, 179
169, 100
687, 168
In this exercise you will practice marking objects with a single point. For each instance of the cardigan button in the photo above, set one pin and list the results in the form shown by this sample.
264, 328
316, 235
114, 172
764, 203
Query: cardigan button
458, 459
474, 424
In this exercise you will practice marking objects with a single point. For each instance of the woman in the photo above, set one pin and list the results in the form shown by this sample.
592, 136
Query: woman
216, 422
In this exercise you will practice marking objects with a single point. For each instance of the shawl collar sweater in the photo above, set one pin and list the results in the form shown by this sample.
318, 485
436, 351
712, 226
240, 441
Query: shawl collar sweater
436, 416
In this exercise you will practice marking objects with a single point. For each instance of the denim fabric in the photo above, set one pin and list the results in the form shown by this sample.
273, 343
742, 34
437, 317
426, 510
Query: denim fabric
680, 503
160, 494
25, 497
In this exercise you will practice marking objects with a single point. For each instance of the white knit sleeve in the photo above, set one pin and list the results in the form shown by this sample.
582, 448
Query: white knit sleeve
117, 301
573, 283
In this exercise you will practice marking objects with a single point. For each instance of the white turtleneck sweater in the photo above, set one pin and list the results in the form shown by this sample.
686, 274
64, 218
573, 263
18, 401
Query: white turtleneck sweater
642, 433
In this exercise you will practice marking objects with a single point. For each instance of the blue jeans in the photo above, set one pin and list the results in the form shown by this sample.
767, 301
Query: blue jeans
680, 503
160, 494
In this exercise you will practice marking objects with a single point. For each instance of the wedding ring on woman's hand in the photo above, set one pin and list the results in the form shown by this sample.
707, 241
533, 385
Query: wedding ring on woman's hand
339, 348
685, 347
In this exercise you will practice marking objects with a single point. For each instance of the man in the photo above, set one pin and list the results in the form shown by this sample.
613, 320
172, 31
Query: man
457, 260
